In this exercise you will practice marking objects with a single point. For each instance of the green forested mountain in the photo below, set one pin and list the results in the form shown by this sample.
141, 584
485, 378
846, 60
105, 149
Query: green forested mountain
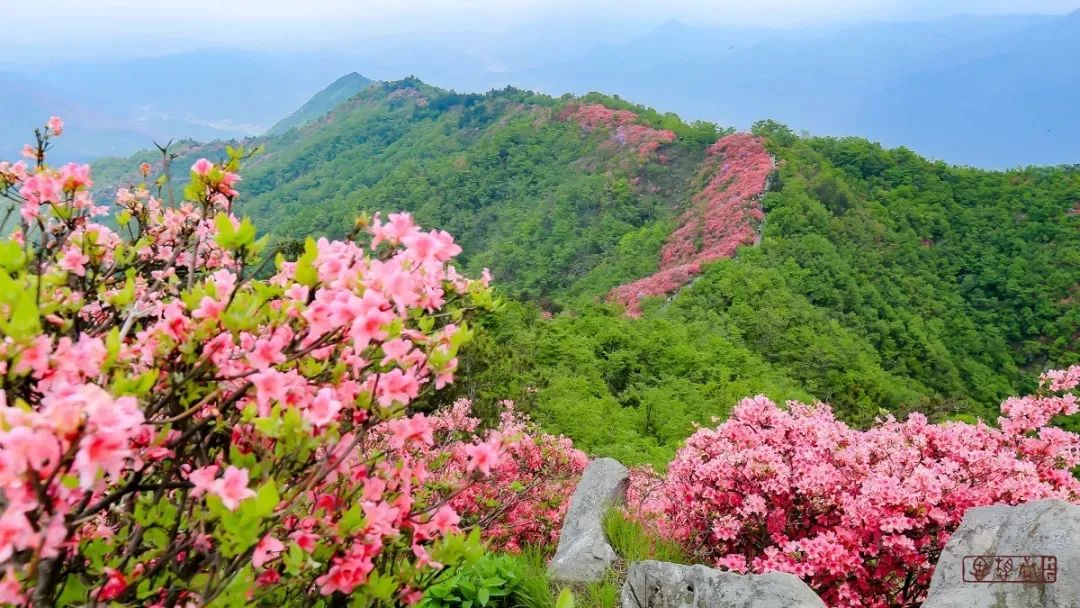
882, 281
323, 102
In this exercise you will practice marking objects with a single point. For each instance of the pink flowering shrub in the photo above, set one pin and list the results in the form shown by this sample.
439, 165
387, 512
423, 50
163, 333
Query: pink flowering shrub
861, 516
623, 128
526, 491
723, 216
175, 431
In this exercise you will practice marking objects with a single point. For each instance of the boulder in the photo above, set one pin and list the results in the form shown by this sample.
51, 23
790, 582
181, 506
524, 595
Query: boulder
652, 584
584, 554
1027, 556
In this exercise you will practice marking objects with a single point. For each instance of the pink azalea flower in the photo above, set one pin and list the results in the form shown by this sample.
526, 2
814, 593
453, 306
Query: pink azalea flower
346, 573
323, 408
233, 488
34, 357
268, 352
56, 126
267, 550
16, 533
395, 350
202, 167
482, 457
75, 177
410, 596
115, 584
415, 428
73, 260
209, 308
305, 540
100, 452
203, 479
397, 386
10, 590
445, 519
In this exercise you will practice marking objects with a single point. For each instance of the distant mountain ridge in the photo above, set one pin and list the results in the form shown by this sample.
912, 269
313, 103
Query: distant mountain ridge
993, 91
913, 83
323, 102
128, 104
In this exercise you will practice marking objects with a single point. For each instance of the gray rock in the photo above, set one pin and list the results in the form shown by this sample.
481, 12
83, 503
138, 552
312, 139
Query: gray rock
982, 544
653, 584
584, 554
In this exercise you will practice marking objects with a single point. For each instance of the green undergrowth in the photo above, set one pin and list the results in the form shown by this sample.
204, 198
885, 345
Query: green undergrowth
633, 543
520, 580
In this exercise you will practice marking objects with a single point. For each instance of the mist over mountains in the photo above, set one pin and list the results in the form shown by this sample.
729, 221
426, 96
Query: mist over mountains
992, 91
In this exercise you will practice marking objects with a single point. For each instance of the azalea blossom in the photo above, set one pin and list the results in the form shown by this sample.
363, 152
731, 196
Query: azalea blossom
162, 387
202, 167
232, 487
859, 515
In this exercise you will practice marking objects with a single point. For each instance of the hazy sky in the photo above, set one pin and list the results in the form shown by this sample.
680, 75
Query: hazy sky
70, 28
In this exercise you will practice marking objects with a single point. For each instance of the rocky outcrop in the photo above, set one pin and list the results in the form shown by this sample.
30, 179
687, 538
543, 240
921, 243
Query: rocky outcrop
584, 554
653, 584
1027, 556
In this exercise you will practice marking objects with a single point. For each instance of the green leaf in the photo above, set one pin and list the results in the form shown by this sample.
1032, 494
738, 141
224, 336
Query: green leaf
305, 265
381, 587
352, 519
565, 600
145, 589
24, 322
294, 558
194, 190
156, 538
12, 257
267, 498
124, 297
9, 289
74, 593
245, 234
226, 233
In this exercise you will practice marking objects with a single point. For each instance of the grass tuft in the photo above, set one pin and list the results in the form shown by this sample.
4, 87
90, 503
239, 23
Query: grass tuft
634, 543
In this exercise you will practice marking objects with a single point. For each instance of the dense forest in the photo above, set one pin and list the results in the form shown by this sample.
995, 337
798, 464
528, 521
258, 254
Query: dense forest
881, 281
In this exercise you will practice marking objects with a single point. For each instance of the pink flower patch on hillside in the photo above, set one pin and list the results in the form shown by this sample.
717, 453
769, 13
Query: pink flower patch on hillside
623, 126
723, 216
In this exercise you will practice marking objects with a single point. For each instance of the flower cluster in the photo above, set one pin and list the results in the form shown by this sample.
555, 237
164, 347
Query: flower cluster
525, 491
860, 515
530, 487
623, 127
175, 430
723, 216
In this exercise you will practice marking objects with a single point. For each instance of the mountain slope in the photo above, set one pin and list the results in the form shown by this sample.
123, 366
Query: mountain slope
323, 102
881, 280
